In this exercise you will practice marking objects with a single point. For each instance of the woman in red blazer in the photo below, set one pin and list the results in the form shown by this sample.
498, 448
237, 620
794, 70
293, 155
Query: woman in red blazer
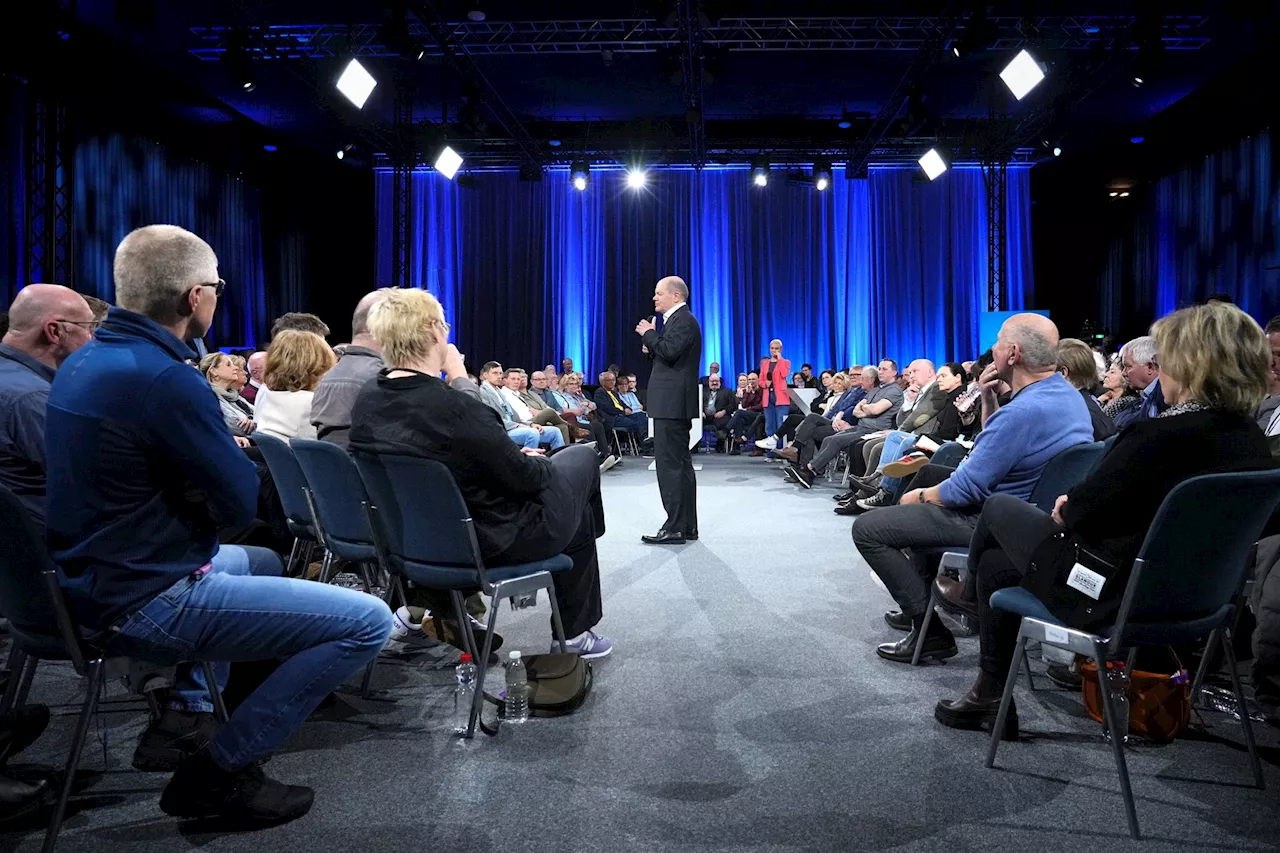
774, 372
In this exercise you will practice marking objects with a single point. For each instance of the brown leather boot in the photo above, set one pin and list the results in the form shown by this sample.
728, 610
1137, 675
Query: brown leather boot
954, 596
978, 708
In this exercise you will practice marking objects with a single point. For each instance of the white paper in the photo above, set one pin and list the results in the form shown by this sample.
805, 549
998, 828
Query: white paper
1086, 581
1054, 634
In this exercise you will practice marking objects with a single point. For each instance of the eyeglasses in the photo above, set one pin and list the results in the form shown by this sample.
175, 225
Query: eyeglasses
91, 325
218, 286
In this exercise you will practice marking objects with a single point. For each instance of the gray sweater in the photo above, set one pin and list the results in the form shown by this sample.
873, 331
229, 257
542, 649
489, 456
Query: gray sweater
336, 394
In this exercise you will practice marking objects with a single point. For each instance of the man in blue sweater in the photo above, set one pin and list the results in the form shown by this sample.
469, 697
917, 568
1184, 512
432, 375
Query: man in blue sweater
1045, 416
142, 472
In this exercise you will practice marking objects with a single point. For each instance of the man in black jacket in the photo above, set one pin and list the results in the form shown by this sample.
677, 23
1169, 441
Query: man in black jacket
676, 352
718, 405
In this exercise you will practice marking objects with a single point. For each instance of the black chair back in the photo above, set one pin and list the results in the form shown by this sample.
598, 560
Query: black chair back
1064, 471
338, 495
290, 483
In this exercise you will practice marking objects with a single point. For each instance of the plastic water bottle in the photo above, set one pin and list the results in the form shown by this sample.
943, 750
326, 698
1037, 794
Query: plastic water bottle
463, 693
517, 706
1118, 679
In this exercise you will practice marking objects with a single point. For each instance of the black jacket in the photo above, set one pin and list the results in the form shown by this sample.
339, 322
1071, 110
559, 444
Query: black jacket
1103, 426
421, 416
676, 352
946, 426
725, 400
606, 408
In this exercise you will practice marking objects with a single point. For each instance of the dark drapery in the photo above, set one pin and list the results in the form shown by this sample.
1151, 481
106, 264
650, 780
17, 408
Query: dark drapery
1212, 227
529, 272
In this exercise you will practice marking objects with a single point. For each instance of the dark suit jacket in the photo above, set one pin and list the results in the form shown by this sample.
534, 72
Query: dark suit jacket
725, 400
676, 352
605, 407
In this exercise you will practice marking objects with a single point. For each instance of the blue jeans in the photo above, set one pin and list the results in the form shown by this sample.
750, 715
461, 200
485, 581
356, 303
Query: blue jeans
896, 444
774, 415
525, 436
325, 633
551, 437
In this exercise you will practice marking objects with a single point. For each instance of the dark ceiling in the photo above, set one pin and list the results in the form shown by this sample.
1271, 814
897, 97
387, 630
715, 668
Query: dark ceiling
610, 80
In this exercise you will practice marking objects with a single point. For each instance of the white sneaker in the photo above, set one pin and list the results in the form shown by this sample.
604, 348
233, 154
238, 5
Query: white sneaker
403, 626
770, 443
608, 463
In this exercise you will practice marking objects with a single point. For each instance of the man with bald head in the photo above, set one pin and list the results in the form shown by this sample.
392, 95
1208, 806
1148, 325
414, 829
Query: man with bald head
257, 364
676, 353
140, 483
1045, 416
47, 322
361, 361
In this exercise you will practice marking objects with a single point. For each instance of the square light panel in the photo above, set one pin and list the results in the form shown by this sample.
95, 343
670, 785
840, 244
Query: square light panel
356, 83
1022, 74
448, 162
932, 163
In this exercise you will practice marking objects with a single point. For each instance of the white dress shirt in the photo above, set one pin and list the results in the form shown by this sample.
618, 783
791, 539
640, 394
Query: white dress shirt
284, 414
521, 409
666, 315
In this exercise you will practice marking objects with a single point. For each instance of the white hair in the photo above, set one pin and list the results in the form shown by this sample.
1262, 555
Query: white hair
1101, 361
1039, 352
156, 264
1141, 350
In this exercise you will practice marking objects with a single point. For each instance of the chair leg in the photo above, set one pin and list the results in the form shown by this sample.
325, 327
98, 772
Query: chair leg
95, 674
557, 625
1230, 653
1197, 683
295, 553
1006, 699
924, 627
215, 692
366, 580
326, 567
24, 684
17, 665
392, 585
482, 662
1117, 740
1026, 663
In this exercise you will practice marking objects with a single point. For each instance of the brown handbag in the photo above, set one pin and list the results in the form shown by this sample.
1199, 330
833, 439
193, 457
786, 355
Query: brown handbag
1159, 704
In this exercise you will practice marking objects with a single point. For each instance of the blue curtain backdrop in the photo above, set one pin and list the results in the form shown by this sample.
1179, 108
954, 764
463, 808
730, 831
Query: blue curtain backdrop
1212, 227
529, 272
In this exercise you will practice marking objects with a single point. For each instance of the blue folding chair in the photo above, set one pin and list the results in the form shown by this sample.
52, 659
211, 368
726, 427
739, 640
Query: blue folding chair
1060, 476
43, 628
1186, 584
336, 497
423, 531
292, 485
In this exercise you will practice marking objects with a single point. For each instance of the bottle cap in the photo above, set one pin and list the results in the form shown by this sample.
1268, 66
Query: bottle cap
466, 657
514, 656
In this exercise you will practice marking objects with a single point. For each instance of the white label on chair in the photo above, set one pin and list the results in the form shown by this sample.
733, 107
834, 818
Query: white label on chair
1086, 580
1054, 634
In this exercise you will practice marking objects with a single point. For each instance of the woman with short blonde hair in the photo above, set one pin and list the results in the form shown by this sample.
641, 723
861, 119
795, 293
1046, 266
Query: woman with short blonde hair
408, 323
1216, 354
223, 375
296, 361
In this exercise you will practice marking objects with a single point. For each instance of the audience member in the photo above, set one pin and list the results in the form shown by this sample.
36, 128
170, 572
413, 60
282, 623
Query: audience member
525, 507
615, 413
525, 435
579, 417
627, 393
806, 371
1142, 373
1075, 363
1116, 395
1269, 406
139, 484
750, 409
1213, 371
712, 370
566, 366
99, 307
47, 323
718, 404
223, 376
874, 412
335, 396
774, 371
529, 409
296, 362
817, 427
300, 322
257, 362
1044, 417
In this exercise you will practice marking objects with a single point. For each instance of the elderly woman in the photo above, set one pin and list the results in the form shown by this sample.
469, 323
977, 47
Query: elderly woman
1117, 397
774, 371
1214, 361
226, 379
296, 361
525, 506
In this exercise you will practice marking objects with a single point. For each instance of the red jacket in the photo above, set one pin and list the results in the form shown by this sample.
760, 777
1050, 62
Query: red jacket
777, 381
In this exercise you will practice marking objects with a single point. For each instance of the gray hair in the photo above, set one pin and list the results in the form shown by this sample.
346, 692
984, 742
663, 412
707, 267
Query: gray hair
156, 265
674, 284
605, 373
1039, 352
871, 371
1141, 350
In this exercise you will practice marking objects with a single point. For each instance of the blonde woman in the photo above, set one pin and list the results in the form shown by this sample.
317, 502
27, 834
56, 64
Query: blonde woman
296, 362
223, 375
525, 506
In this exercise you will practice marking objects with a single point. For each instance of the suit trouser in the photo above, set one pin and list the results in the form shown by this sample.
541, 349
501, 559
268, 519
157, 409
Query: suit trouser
676, 481
548, 417
890, 540
811, 432
741, 422
636, 423
832, 446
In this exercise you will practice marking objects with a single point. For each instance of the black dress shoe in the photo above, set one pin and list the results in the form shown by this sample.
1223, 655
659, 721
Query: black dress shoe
664, 537
691, 535
844, 497
897, 620
938, 644
16, 796
20, 727
978, 708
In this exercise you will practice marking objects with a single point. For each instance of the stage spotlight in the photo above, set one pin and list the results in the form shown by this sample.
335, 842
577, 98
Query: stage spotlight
1137, 140
821, 175
932, 163
344, 151
581, 175
1113, 193
449, 162
846, 120
636, 178
237, 56
1022, 74
1124, 194
1057, 151
356, 83
476, 13
760, 171
269, 147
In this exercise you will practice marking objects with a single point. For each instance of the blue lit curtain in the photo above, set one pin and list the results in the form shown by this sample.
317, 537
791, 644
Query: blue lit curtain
532, 271
123, 183
1212, 227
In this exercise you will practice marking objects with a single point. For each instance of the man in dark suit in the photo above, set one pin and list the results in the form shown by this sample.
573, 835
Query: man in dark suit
718, 405
673, 398
615, 413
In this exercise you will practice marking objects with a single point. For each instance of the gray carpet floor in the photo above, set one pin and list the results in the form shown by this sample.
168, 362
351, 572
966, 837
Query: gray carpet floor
744, 709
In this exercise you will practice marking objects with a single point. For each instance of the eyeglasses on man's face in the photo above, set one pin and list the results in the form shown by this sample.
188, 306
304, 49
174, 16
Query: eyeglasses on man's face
90, 326
218, 286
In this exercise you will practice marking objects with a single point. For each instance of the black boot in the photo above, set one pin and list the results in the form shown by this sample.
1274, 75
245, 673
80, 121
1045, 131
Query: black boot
939, 643
173, 737
202, 789
978, 708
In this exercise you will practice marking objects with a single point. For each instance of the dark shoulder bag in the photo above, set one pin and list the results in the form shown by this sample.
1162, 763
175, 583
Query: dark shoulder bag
1074, 581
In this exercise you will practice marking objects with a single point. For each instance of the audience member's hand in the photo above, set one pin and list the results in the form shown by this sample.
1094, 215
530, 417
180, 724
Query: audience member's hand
989, 380
842, 426
454, 364
241, 441
644, 349
915, 496
626, 410
1057, 509
719, 414
645, 326
533, 451
245, 424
